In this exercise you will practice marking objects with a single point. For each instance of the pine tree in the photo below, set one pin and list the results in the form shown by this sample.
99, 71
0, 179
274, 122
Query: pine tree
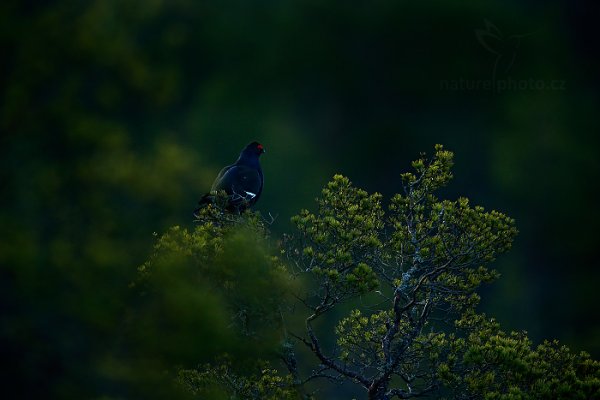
408, 276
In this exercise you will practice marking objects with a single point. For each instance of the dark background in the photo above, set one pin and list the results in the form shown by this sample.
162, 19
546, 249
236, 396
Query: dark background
116, 116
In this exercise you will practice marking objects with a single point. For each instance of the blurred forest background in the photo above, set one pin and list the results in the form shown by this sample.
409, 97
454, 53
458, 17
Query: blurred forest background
115, 117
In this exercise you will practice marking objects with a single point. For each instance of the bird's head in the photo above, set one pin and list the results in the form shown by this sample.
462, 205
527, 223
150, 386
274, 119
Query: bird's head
254, 148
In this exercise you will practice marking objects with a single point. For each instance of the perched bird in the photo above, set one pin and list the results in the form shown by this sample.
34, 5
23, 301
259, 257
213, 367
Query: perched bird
242, 181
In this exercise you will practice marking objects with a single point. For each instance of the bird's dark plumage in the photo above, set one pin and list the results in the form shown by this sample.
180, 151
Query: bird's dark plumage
242, 181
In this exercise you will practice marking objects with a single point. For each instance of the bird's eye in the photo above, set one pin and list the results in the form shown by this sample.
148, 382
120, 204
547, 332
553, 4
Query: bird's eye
260, 147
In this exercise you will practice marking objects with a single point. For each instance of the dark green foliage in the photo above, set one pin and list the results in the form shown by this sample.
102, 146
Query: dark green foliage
489, 363
417, 270
338, 243
221, 379
225, 255
415, 332
217, 287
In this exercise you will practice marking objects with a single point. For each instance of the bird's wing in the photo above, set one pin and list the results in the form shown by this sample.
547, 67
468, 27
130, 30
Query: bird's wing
241, 180
216, 184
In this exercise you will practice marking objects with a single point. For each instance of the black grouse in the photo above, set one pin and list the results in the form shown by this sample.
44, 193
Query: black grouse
242, 181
